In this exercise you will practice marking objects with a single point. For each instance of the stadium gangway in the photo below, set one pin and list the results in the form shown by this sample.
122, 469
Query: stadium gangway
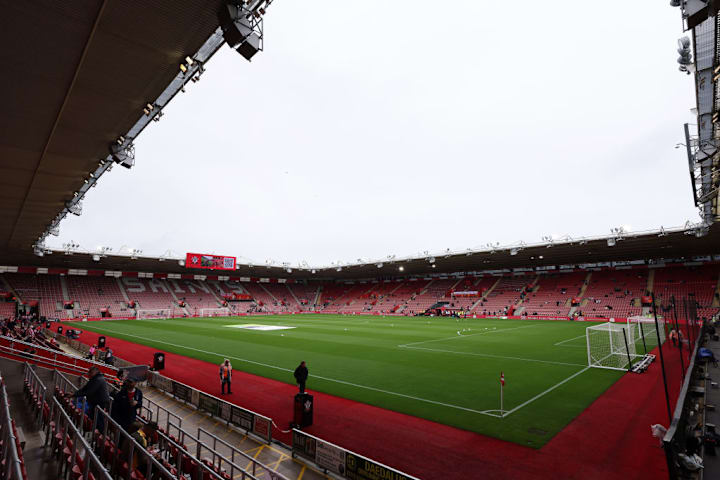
256, 464
48, 358
183, 436
70, 443
11, 466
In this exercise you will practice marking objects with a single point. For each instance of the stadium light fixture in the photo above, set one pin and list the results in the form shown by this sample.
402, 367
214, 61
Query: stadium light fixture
431, 259
540, 257
401, 268
433, 265
514, 251
611, 242
181, 263
379, 265
312, 271
183, 68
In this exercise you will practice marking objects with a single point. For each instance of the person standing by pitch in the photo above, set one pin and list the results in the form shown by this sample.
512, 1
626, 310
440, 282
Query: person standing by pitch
226, 376
301, 375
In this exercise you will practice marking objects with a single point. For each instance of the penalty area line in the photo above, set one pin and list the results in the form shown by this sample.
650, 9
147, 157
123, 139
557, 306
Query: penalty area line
403, 395
541, 394
570, 340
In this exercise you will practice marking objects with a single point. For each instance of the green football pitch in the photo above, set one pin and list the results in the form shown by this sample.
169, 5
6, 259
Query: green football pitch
442, 369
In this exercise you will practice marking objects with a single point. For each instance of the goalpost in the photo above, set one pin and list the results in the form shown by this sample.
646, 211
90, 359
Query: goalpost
643, 331
611, 345
215, 312
158, 313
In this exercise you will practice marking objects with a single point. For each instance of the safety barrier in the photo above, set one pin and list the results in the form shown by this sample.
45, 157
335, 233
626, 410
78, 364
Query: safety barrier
19, 350
339, 461
249, 421
254, 465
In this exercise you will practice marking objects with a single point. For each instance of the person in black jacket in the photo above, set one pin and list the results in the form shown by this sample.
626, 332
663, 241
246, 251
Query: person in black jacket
301, 375
127, 403
96, 393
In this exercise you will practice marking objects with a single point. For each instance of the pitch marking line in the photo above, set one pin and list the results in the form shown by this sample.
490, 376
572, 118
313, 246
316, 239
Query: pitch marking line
465, 336
482, 412
546, 391
497, 356
570, 340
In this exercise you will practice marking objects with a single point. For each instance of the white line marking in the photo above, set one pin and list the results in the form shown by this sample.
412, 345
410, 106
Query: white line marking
545, 392
497, 356
465, 336
570, 340
219, 355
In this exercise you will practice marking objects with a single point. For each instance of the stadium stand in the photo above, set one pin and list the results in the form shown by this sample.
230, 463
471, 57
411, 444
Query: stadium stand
149, 294
305, 294
553, 293
680, 282
195, 293
92, 294
45, 289
504, 296
614, 293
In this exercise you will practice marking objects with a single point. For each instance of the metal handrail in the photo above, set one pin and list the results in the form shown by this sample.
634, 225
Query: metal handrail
134, 445
36, 386
231, 463
13, 466
77, 437
255, 463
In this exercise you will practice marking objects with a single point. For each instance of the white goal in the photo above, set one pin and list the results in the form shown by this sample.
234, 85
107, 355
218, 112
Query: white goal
643, 331
158, 313
214, 312
611, 345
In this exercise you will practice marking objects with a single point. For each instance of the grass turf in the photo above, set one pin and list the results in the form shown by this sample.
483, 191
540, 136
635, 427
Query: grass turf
442, 369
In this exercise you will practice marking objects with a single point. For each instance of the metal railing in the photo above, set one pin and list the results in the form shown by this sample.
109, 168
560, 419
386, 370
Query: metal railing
254, 465
71, 446
11, 467
37, 390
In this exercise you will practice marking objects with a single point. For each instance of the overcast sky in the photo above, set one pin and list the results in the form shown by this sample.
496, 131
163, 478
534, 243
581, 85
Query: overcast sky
373, 128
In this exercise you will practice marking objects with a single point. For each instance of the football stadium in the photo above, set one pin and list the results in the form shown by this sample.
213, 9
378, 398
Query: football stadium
583, 356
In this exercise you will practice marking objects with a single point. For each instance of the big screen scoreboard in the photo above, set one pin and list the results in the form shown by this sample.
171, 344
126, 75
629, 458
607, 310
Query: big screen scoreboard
210, 262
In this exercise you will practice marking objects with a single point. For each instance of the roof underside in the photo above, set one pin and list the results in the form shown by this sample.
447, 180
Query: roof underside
76, 76
676, 245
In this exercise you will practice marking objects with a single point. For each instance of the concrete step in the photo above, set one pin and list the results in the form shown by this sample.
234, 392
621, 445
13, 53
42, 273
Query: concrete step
40, 464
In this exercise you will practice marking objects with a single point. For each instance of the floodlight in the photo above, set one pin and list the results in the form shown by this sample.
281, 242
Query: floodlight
433, 265
379, 265
312, 271
514, 251
431, 259
401, 268
611, 242
181, 263
96, 257
189, 60
183, 68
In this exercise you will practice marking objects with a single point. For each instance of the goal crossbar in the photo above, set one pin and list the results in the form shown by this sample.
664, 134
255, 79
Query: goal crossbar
612, 346
215, 312
153, 313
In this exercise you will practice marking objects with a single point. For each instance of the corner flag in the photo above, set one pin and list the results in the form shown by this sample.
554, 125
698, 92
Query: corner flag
502, 379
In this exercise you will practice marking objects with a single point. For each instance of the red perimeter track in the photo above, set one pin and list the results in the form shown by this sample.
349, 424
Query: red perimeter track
609, 440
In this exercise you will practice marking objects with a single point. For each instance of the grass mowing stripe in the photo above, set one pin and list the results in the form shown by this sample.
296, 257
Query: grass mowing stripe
488, 355
458, 407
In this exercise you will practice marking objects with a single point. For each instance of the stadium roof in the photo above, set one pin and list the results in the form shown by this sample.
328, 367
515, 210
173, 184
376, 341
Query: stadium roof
678, 244
76, 76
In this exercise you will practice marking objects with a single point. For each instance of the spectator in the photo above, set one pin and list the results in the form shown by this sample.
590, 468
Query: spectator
127, 403
96, 393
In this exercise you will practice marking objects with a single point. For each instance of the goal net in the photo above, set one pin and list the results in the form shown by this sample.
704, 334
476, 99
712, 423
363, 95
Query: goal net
607, 346
158, 313
215, 312
643, 331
